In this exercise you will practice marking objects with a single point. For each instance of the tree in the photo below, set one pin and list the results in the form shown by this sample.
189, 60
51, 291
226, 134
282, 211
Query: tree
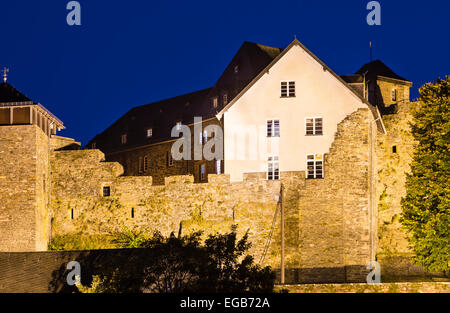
182, 264
426, 204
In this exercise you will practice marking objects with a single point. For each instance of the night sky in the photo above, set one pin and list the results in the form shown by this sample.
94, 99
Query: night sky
129, 53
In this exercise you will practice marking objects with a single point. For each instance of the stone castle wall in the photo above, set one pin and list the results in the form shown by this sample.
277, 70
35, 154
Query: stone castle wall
395, 151
24, 185
327, 220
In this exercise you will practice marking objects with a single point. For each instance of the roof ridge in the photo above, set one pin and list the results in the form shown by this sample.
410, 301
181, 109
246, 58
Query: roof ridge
173, 98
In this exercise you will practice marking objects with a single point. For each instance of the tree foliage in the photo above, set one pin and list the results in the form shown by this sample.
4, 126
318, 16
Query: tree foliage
426, 205
183, 264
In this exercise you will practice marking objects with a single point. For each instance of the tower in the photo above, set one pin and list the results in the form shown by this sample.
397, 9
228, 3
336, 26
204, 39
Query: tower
25, 131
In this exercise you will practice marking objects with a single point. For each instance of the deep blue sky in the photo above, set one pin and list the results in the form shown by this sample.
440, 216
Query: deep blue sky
129, 53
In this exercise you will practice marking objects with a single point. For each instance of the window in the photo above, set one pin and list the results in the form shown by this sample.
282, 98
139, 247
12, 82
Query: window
140, 165
225, 99
178, 125
218, 167
106, 191
236, 69
394, 149
394, 94
169, 159
94, 145
287, 89
149, 132
215, 102
71, 214
314, 126
314, 165
273, 128
273, 169
124, 139
203, 172
205, 136
132, 212
146, 164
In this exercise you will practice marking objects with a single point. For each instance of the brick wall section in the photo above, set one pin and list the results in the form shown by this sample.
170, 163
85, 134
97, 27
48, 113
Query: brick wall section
24, 175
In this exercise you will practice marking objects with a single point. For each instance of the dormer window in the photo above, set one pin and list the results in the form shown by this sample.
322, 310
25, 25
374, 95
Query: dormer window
215, 102
124, 139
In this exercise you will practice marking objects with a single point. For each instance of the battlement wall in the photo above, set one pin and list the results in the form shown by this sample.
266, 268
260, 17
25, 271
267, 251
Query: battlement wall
326, 220
79, 205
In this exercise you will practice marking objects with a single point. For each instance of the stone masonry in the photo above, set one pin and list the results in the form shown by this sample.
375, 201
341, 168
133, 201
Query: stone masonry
24, 185
327, 221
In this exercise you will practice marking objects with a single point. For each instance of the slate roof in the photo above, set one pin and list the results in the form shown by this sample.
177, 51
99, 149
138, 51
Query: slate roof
378, 68
9, 94
161, 116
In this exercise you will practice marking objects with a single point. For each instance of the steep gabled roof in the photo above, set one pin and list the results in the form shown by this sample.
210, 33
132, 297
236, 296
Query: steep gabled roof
374, 110
250, 59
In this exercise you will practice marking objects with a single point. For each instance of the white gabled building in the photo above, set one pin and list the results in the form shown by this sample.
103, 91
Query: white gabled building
286, 119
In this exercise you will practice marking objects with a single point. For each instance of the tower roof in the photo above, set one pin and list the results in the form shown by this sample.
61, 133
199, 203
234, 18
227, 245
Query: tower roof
9, 94
378, 68
11, 97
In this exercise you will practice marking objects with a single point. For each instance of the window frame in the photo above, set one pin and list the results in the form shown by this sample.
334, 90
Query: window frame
315, 160
170, 160
215, 102
394, 94
273, 128
274, 174
109, 191
124, 139
225, 99
203, 173
218, 165
146, 163
314, 126
289, 84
